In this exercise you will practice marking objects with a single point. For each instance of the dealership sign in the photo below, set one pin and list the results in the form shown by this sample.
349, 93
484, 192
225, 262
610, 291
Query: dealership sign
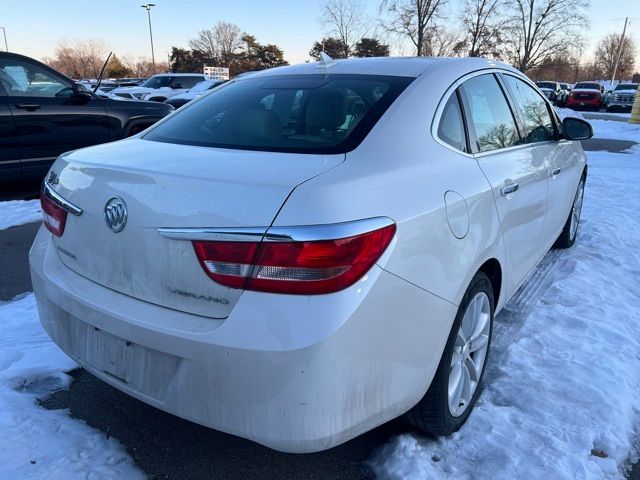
220, 73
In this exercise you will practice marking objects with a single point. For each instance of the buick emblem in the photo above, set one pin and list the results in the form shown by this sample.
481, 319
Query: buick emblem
115, 214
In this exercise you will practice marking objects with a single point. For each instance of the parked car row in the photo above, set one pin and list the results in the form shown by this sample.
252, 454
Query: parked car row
43, 114
590, 95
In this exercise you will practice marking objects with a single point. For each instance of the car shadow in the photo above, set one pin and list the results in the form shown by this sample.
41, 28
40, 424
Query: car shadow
165, 446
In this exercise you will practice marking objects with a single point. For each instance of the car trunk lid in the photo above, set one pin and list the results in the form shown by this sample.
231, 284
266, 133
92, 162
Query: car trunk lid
169, 186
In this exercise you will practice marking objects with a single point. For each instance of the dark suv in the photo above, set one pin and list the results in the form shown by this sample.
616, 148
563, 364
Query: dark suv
43, 114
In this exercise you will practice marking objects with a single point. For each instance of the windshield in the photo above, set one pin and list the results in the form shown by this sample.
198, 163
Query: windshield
627, 86
550, 85
587, 86
157, 82
298, 113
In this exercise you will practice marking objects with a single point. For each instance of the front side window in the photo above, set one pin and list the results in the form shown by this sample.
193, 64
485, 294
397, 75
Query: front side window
451, 127
489, 113
301, 113
23, 79
537, 125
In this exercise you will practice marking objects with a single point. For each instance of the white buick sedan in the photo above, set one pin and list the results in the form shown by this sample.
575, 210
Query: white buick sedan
310, 251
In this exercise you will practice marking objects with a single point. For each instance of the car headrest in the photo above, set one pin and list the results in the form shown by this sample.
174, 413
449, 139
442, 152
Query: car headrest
325, 109
254, 123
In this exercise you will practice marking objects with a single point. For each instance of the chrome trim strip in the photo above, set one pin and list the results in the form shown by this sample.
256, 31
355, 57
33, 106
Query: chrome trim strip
38, 159
304, 233
332, 231
55, 197
240, 234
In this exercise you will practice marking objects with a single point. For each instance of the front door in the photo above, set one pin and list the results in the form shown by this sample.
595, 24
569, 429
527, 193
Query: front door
539, 130
50, 117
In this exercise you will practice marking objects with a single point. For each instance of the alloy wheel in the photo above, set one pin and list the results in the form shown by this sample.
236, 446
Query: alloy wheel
469, 354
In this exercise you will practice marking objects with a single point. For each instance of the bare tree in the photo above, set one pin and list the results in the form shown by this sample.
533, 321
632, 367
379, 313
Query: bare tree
412, 19
442, 42
222, 41
607, 52
540, 29
483, 21
205, 42
346, 20
79, 59
142, 67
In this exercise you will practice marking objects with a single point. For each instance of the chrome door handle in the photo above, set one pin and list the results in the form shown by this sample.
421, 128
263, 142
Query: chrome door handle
555, 171
508, 189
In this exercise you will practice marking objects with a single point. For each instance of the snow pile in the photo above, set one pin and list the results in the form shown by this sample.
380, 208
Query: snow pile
562, 386
39, 443
19, 212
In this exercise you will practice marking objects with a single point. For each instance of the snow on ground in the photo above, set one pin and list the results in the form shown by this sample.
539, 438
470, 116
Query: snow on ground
616, 130
39, 443
562, 381
19, 212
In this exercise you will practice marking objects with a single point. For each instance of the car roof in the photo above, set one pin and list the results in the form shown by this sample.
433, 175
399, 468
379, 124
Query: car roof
393, 66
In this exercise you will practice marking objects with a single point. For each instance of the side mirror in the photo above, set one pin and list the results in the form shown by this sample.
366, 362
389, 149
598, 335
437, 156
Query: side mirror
576, 129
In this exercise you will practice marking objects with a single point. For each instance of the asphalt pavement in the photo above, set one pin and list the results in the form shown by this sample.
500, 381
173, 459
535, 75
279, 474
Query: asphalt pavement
167, 447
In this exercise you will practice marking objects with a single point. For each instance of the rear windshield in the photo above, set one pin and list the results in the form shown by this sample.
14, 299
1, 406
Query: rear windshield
627, 86
587, 86
550, 85
297, 113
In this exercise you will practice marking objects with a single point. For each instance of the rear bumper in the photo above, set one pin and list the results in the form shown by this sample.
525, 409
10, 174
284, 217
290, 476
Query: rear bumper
295, 373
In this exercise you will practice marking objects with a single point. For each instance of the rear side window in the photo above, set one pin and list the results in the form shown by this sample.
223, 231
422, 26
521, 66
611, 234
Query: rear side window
297, 113
490, 115
451, 127
533, 111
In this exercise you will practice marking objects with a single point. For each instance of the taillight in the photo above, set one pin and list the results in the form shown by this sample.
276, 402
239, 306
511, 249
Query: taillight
53, 216
296, 267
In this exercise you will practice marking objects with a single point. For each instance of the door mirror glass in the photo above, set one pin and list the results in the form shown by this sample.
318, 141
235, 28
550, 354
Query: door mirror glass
576, 129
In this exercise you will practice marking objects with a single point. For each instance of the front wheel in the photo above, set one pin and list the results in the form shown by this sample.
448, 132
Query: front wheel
456, 384
570, 230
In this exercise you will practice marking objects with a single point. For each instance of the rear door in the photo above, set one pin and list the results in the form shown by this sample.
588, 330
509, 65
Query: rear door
539, 130
516, 174
50, 118
9, 148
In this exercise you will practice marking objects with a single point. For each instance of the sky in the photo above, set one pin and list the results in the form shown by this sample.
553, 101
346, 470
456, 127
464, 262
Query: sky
293, 25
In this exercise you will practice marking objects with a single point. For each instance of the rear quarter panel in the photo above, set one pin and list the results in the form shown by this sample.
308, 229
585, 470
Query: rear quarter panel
401, 172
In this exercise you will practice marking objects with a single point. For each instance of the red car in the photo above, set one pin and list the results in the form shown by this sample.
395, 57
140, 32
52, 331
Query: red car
585, 96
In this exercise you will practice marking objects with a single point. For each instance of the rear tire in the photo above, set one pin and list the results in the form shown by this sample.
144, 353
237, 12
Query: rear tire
433, 414
570, 230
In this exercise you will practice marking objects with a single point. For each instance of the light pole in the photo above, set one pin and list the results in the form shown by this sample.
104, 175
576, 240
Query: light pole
148, 6
4, 32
